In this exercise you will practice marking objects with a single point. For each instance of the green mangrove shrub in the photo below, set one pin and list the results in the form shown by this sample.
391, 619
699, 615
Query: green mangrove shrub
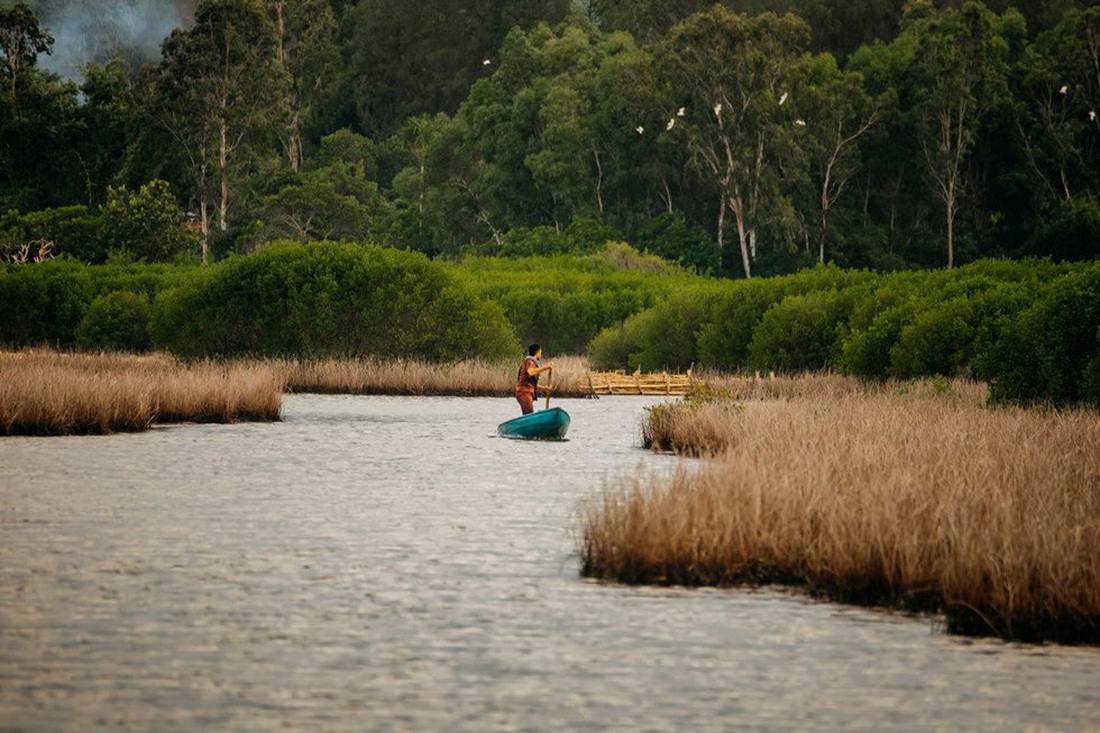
800, 333
116, 321
330, 299
49, 300
1049, 352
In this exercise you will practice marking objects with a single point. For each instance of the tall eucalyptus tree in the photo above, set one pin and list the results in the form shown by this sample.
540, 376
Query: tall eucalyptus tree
221, 93
731, 76
958, 74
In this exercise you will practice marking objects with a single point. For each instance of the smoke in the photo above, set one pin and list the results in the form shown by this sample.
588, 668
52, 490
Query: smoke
100, 30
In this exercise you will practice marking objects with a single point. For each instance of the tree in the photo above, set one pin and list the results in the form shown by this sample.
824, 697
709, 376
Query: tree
221, 93
334, 202
1059, 88
732, 75
107, 116
959, 73
646, 20
146, 223
838, 112
21, 40
410, 59
307, 48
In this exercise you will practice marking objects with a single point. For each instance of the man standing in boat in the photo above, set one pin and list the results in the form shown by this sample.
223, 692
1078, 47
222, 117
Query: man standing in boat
528, 380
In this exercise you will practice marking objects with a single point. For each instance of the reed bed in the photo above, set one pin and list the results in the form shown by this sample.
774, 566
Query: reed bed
923, 500
698, 424
50, 393
417, 378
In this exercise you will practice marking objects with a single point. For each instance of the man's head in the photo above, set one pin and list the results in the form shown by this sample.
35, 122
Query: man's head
534, 350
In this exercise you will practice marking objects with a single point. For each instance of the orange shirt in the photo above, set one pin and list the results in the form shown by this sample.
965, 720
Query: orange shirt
524, 381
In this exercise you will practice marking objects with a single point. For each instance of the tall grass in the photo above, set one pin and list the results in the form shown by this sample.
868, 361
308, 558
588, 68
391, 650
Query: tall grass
50, 393
472, 378
921, 499
45, 392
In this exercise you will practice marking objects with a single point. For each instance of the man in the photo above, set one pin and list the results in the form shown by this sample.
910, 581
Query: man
528, 379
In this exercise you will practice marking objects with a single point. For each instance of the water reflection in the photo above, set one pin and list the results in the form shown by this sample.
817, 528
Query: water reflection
388, 564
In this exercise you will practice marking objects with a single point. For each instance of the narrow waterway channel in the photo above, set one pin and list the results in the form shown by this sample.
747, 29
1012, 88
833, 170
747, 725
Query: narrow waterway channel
379, 563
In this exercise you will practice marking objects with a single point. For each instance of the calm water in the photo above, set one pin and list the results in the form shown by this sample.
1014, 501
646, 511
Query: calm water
388, 564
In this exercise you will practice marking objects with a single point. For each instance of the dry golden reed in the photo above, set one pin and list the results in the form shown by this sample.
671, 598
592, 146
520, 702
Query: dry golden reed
404, 377
919, 498
50, 393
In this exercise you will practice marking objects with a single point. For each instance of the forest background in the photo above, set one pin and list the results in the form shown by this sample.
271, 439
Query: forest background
757, 136
743, 139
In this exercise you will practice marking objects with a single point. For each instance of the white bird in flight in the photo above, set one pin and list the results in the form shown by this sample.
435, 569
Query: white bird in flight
783, 99
1064, 89
640, 129
800, 123
680, 112
717, 109
1092, 115
486, 62
671, 124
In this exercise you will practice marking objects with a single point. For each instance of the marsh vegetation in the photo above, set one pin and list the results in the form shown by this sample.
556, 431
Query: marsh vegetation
910, 495
44, 392
50, 393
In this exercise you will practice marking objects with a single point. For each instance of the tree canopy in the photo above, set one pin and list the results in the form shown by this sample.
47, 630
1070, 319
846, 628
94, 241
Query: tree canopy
743, 138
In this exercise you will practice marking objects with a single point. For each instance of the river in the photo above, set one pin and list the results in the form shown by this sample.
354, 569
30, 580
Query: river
379, 563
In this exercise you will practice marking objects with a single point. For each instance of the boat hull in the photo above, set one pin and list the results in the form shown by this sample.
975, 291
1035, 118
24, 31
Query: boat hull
549, 424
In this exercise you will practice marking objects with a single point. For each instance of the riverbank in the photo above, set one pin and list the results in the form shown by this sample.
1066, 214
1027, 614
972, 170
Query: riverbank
911, 496
44, 392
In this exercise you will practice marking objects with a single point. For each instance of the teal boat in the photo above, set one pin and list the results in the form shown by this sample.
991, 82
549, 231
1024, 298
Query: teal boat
542, 425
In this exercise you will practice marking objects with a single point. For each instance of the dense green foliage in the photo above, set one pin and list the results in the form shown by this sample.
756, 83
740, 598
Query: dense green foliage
49, 301
748, 136
546, 149
562, 302
323, 299
330, 299
1030, 328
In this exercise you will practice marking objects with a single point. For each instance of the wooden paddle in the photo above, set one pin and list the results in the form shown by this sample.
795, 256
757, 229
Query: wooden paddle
549, 382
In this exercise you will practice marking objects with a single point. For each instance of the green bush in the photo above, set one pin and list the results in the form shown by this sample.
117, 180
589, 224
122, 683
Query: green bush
866, 352
801, 332
562, 302
330, 299
74, 231
617, 347
116, 321
723, 342
46, 302
1049, 352
938, 340
674, 327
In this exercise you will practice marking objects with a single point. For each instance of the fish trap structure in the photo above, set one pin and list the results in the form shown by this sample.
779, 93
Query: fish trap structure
657, 383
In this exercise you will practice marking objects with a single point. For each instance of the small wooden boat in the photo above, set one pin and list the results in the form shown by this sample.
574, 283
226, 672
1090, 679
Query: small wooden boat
549, 424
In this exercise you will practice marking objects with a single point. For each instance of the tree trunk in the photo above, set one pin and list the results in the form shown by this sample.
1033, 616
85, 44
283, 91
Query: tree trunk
720, 238
223, 158
599, 181
294, 145
743, 237
204, 219
950, 222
